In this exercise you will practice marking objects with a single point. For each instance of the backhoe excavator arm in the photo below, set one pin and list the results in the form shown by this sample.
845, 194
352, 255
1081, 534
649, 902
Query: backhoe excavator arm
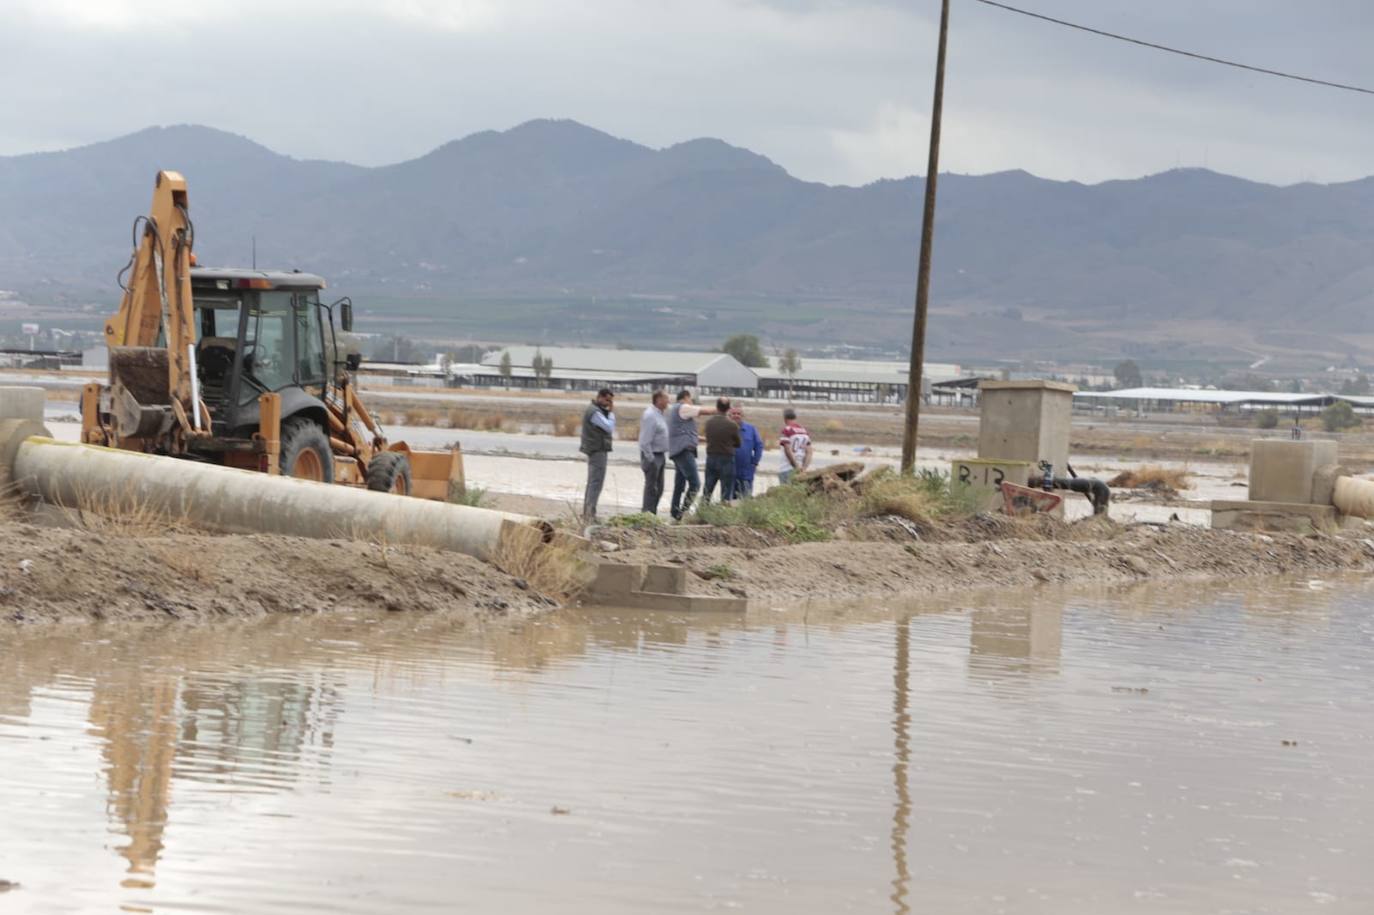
158, 294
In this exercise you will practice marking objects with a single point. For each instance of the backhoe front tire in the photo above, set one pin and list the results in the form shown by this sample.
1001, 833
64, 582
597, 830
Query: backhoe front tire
305, 451
389, 471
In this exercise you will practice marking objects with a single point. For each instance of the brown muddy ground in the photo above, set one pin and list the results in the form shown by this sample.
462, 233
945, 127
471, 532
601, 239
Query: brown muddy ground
53, 574
892, 559
50, 574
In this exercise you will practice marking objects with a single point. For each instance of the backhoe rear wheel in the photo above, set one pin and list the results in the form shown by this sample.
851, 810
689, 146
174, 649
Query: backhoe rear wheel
389, 471
305, 451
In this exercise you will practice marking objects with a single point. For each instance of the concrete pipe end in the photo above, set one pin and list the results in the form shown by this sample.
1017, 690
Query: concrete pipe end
13, 433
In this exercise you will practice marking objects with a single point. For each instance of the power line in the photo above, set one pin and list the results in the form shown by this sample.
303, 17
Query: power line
1159, 47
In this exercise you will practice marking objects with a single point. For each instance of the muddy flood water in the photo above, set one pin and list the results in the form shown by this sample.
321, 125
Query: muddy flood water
1153, 750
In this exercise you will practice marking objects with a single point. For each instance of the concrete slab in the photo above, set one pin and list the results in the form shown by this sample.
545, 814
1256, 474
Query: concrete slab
1284, 471
1299, 517
684, 603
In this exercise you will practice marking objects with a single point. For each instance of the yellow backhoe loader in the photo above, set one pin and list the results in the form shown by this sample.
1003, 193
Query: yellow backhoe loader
243, 368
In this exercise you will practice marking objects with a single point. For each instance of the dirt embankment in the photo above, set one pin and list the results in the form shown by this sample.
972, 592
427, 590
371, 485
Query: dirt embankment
49, 574
895, 560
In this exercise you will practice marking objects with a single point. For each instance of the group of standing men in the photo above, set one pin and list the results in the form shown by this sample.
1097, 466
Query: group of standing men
733, 450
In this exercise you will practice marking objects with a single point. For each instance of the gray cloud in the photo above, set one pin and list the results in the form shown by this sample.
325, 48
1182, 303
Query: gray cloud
833, 90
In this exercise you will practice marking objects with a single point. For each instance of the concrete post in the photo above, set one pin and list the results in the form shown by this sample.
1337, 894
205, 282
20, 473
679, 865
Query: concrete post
1284, 471
22, 403
1026, 421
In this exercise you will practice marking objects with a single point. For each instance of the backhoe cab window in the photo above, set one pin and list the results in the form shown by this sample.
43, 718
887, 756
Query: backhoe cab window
268, 349
310, 368
218, 316
283, 344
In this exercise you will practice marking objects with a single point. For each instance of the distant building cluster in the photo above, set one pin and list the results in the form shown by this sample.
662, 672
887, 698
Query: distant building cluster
587, 369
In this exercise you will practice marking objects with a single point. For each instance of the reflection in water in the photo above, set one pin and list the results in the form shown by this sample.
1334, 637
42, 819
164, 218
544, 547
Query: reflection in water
1016, 639
137, 724
156, 724
707, 762
901, 758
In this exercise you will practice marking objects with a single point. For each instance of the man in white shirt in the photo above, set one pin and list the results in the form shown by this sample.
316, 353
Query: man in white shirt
795, 443
653, 450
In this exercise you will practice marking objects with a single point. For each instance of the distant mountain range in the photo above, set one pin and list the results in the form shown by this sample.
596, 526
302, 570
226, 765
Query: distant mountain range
594, 235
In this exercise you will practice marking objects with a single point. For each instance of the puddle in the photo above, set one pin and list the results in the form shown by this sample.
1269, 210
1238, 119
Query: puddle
1160, 750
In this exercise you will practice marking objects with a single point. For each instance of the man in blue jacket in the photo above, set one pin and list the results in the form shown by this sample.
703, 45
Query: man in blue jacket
747, 456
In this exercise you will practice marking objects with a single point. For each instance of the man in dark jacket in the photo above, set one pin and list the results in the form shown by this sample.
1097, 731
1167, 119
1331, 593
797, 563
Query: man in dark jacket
747, 455
598, 431
722, 439
682, 451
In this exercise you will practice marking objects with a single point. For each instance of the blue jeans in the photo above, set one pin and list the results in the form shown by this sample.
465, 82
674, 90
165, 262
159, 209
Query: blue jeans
686, 478
744, 487
720, 468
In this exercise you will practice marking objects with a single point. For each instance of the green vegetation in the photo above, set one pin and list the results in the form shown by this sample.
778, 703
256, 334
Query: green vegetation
790, 511
636, 520
721, 571
801, 515
745, 348
1127, 374
542, 365
789, 363
1340, 415
1267, 419
472, 496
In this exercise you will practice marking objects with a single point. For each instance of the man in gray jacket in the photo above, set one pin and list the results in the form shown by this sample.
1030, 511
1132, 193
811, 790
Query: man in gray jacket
598, 431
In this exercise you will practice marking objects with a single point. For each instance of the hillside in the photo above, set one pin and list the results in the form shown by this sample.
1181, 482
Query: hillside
556, 215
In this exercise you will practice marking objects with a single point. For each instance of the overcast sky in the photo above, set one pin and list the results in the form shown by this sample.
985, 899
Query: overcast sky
833, 90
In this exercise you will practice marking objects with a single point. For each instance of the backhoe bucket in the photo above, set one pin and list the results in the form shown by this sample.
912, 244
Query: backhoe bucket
139, 395
436, 475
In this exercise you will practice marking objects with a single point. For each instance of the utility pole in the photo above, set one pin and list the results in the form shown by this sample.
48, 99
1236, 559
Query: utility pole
918, 329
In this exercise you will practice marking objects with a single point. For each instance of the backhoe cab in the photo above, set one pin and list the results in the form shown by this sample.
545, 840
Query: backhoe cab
244, 368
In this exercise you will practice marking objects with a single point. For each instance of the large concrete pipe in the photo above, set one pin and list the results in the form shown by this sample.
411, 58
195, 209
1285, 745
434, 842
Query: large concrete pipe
1354, 496
236, 501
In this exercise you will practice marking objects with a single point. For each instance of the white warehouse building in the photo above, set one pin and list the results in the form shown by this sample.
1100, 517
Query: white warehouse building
581, 368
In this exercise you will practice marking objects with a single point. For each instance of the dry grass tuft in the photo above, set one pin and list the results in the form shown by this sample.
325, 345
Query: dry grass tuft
906, 497
1150, 477
124, 511
418, 416
567, 426
559, 569
484, 420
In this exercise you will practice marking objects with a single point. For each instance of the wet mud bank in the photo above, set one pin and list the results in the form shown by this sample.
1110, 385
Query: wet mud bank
887, 561
54, 574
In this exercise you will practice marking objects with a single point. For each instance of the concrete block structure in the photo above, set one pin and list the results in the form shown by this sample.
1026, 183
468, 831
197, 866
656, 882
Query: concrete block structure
1026, 421
652, 587
22, 403
1273, 516
1285, 471
981, 479
1296, 486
